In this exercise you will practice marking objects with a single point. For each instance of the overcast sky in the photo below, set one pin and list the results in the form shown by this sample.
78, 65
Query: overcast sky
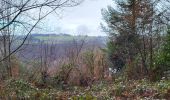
83, 19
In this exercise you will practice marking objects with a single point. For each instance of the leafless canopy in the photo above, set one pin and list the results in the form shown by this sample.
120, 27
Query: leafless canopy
17, 15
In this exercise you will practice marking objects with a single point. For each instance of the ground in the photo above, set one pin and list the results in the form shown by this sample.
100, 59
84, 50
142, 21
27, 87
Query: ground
116, 90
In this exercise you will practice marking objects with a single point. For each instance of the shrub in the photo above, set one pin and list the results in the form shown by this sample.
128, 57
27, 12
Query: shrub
162, 59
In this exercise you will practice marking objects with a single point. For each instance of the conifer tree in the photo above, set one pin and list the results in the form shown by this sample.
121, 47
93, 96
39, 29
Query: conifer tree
123, 27
132, 27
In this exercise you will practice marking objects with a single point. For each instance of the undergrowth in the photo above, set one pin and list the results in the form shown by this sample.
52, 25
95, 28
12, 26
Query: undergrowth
118, 89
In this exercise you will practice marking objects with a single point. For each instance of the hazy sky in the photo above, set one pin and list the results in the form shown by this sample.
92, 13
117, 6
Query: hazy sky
83, 19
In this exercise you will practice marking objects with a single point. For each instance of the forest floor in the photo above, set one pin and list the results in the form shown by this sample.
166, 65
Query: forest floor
116, 90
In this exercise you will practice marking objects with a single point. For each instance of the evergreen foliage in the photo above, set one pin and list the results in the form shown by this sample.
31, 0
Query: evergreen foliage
163, 58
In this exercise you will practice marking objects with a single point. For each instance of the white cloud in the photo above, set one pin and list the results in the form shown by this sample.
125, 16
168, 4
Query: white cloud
85, 17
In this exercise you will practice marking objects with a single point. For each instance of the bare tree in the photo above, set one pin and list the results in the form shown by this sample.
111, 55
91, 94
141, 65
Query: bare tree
16, 18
